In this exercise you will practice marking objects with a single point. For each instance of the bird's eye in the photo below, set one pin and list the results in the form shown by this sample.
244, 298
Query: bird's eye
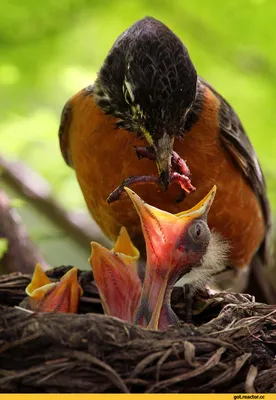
196, 238
199, 231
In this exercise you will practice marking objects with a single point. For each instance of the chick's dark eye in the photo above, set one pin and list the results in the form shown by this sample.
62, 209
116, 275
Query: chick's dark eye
196, 238
199, 231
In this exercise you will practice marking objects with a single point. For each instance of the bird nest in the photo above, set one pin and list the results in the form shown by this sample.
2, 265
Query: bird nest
229, 347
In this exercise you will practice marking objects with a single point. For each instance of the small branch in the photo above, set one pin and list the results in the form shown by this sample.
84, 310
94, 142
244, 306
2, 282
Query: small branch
35, 190
22, 254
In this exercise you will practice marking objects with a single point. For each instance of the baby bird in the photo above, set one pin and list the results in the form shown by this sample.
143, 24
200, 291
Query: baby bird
177, 245
47, 296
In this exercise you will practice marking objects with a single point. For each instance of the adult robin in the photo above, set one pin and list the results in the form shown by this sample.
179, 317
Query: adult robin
148, 99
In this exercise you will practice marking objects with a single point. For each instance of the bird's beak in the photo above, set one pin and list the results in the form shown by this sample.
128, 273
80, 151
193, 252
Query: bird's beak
200, 209
115, 273
162, 232
47, 296
40, 280
163, 151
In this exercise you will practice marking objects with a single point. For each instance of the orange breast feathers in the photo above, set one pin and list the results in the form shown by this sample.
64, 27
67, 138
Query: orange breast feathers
103, 157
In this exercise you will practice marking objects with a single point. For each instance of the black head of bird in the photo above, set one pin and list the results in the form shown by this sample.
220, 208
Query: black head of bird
148, 82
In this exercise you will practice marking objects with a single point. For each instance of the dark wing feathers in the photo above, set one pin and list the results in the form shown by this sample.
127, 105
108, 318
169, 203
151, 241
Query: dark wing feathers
235, 140
63, 133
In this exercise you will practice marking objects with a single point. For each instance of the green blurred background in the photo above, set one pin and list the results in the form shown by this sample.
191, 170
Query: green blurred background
50, 50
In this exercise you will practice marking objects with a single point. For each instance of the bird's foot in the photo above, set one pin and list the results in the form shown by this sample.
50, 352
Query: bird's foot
180, 174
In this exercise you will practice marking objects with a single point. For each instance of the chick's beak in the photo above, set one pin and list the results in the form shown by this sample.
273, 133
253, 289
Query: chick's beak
162, 231
39, 281
47, 296
200, 209
115, 273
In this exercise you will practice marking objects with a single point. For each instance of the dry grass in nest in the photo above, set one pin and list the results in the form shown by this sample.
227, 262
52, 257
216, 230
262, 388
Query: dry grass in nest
230, 347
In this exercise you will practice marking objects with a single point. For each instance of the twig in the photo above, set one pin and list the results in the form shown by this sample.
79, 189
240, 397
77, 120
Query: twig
34, 189
22, 254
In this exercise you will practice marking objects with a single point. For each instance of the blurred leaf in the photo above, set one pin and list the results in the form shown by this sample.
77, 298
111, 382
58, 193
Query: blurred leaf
4, 245
17, 203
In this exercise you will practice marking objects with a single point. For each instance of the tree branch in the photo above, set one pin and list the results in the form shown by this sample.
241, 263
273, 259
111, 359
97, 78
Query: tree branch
22, 254
36, 191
